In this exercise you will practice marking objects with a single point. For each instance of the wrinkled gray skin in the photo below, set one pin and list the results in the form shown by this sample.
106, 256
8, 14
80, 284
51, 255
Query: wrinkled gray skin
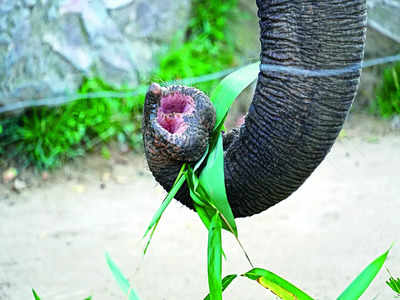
296, 116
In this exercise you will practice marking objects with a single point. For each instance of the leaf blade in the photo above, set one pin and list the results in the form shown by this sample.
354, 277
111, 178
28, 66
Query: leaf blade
123, 283
358, 286
214, 258
226, 281
276, 284
229, 88
35, 295
394, 284
212, 180
179, 181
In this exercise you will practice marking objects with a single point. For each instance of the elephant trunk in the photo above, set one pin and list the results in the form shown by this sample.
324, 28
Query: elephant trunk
311, 53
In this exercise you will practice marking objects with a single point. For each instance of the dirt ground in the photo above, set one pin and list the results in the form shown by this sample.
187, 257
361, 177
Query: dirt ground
54, 234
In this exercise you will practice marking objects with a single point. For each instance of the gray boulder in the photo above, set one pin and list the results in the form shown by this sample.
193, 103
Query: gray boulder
47, 47
383, 39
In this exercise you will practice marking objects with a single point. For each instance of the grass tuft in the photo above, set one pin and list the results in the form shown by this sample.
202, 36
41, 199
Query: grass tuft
44, 137
387, 102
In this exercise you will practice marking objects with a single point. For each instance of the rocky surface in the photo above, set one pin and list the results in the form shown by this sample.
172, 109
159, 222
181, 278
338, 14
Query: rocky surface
383, 39
47, 47
384, 17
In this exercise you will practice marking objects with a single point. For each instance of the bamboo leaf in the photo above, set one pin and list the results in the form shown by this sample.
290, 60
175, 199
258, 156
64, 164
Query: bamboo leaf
205, 213
225, 283
394, 284
198, 164
121, 280
215, 258
277, 285
358, 286
151, 235
229, 88
35, 295
196, 193
200, 201
212, 180
180, 179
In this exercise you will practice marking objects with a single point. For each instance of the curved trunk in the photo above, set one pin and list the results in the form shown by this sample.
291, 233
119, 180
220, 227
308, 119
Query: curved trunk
296, 114
295, 118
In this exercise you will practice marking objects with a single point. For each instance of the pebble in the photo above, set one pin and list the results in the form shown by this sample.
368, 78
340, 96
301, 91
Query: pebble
19, 185
9, 175
45, 175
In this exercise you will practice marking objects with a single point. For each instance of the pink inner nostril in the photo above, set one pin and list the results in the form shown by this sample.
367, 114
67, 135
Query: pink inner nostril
171, 111
173, 124
176, 103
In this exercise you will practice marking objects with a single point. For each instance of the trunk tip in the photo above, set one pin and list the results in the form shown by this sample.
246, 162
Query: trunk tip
155, 89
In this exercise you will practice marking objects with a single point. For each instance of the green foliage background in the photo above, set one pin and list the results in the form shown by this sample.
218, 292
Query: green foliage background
44, 137
209, 45
387, 102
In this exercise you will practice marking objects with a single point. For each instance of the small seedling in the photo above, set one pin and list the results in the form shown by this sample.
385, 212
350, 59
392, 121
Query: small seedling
394, 284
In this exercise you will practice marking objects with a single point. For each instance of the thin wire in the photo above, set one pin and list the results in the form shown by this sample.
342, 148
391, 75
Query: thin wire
380, 61
141, 89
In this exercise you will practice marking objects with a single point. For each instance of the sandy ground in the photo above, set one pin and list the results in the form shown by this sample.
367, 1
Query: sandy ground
53, 235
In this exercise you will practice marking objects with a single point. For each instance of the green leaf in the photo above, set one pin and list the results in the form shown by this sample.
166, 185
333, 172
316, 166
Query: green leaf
358, 286
198, 164
105, 152
35, 295
205, 213
194, 179
229, 88
215, 258
180, 179
276, 284
212, 180
200, 200
225, 282
394, 284
196, 192
121, 280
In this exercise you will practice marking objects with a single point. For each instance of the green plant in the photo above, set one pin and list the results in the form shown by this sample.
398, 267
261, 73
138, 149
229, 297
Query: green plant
45, 136
387, 102
207, 190
121, 279
394, 284
8, 134
35, 295
207, 48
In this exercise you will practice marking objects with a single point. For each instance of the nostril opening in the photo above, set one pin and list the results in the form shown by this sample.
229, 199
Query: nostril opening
173, 124
171, 111
176, 103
